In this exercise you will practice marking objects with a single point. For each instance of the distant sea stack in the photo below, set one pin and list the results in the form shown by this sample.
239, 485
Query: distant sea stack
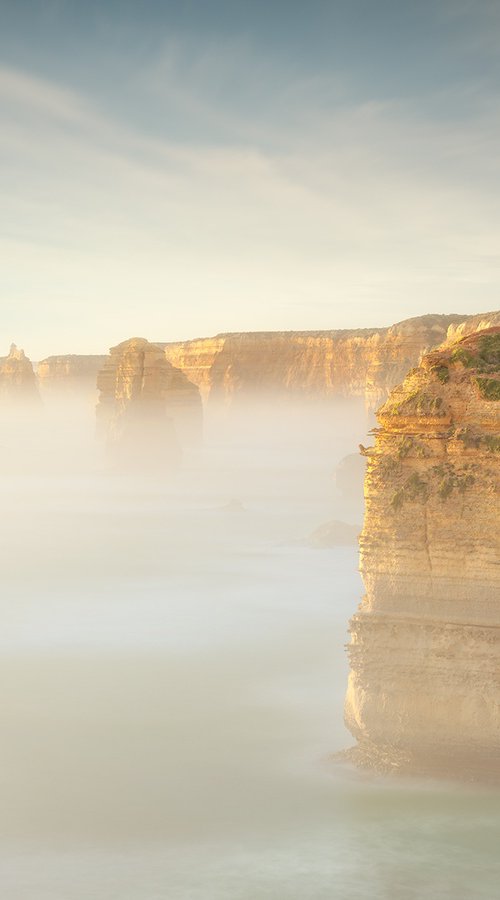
311, 365
147, 410
18, 385
424, 686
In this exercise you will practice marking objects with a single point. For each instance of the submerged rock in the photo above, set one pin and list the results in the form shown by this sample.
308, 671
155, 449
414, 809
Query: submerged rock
233, 506
334, 534
424, 685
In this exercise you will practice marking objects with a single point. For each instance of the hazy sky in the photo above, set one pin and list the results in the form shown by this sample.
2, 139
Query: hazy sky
175, 169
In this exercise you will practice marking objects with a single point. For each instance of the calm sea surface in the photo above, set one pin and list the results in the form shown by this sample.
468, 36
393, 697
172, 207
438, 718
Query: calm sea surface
172, 676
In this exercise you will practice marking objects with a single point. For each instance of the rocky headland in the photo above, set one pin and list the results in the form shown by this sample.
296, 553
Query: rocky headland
147, 410
424, 685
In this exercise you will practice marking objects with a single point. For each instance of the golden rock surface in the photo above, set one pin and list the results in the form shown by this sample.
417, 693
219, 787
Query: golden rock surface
365, 363
17, 379
70, 373
424, 684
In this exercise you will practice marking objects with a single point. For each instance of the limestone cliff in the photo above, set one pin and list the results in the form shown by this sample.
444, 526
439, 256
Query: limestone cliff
364, 363
17, 379
69, 375
147, 408
315, 365
424, 686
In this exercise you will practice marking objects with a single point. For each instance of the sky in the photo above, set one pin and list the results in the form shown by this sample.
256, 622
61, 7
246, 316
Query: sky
177, 169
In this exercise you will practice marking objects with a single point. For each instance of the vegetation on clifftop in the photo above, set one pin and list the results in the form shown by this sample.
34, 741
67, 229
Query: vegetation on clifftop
481, 353
489, 388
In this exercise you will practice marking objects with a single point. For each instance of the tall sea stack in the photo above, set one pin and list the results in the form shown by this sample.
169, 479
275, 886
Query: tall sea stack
424, 685
147, 410
18, 385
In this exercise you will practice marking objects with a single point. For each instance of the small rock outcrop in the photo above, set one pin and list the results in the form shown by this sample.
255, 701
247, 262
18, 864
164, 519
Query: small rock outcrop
147, 409
334, 534
17, 379
424, 685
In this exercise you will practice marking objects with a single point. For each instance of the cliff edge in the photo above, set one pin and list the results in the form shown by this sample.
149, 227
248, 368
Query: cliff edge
367, 363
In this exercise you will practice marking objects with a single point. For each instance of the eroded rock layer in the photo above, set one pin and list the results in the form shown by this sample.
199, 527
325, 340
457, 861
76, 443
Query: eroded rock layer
424, 686
69, 374
17, 379
365, 363
147, 408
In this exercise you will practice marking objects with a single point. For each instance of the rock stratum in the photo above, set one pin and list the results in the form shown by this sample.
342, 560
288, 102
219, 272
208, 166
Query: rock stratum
230, 369
69, 374
365, 363
424, 684
147, 410
18, 384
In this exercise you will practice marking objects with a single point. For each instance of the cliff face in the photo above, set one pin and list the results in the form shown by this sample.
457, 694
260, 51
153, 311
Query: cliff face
147, 409
17, 379
365, 363
317, 365
424, 687
69, 374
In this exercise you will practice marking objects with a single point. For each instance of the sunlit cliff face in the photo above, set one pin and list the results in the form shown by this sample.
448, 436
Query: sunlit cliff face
425, 644
231, 369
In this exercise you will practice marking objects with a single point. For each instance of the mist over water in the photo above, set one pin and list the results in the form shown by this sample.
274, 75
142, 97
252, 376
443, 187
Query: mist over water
172, 672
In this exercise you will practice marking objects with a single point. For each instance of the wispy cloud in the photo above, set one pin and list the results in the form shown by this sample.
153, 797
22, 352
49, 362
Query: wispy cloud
368, 211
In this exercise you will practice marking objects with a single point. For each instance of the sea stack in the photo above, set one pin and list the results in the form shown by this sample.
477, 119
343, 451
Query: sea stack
17, 379
424, 685
147, 410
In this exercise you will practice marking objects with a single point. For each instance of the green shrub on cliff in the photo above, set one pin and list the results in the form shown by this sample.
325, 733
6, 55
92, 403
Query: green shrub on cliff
486, 359
414, 488
441, 372
489, 349
489, 388
449, 480
492, 442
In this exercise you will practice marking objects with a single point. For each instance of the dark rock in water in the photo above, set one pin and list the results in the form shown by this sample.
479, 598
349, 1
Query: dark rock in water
233, 506
334, 534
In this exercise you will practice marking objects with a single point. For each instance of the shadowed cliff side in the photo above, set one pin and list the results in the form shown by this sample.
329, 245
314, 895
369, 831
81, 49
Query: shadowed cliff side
424, 686
147, 410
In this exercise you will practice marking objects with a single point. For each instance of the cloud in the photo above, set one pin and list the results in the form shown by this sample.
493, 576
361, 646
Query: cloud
368, 213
